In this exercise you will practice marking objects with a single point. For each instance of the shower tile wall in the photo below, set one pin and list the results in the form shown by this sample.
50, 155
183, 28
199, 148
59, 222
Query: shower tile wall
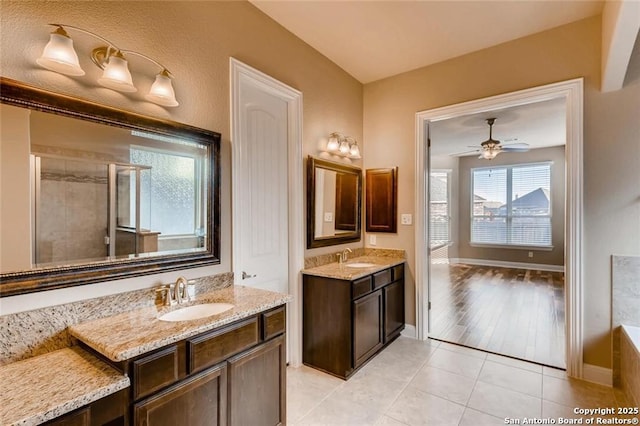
73, 211
626, 299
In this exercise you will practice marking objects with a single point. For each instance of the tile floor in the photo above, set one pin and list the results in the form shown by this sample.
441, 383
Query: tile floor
436, 383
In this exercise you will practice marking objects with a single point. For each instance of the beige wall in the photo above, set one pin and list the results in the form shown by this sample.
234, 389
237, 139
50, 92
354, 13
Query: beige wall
545, 257
611, 147
15, 215
194, 40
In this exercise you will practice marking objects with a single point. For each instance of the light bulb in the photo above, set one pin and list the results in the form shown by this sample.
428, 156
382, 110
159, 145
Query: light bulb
59, 55
162, 92
344, 147
354, 151
116, 74
333, 144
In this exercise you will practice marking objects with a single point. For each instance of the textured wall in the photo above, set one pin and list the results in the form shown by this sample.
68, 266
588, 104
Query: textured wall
611, 147
194, 40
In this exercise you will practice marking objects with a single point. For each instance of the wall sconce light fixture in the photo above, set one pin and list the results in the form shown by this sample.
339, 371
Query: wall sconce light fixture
60, 56
345, 146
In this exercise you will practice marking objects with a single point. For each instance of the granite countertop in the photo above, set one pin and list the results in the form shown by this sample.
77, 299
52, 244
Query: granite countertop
41, 388
126, 335
344, 272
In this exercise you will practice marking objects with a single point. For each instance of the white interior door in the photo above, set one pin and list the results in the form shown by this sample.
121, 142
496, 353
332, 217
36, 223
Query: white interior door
260, 189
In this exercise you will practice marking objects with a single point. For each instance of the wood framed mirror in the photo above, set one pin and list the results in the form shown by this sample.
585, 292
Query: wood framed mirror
92, 193
382, 200
334, 203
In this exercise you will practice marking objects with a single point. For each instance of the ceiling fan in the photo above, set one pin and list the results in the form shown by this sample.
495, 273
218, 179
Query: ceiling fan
490, 148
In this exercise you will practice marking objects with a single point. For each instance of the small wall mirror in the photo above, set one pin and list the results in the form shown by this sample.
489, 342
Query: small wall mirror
334, 200
101, 193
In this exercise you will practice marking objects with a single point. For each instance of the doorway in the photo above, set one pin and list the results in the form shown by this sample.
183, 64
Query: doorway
570, 93
267, 203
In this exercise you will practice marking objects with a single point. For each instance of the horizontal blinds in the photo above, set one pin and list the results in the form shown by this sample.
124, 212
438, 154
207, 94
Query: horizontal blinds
512, 205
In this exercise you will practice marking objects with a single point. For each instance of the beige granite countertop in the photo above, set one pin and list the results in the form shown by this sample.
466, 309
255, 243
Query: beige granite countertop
344, 272
124, 336
41, 388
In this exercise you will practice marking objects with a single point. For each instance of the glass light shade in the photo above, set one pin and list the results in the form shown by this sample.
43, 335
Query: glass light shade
344, 147
60, 56
333, 144
162, 92
354, 151
116, 75
489, 154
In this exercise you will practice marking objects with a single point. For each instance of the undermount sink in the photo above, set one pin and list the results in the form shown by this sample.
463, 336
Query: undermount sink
196, 311
359, 265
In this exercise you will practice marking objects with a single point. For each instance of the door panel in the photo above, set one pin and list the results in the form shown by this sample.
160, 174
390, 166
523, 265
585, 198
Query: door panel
261, 190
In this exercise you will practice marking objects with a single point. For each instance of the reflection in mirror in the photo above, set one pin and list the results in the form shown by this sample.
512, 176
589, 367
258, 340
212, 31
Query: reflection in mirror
113, 194
106, 192
333, 201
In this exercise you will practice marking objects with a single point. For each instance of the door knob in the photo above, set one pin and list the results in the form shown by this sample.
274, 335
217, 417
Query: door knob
245, 275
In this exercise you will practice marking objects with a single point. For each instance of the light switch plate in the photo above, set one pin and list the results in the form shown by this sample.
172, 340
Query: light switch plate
406, 219
372, 240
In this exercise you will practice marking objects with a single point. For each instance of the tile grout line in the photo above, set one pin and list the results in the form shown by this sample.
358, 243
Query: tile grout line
384, 413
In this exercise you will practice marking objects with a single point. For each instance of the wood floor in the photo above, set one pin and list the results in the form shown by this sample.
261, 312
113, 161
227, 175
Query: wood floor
513, 312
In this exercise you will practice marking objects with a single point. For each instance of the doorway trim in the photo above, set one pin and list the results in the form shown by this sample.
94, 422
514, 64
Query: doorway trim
572, 92
238, 71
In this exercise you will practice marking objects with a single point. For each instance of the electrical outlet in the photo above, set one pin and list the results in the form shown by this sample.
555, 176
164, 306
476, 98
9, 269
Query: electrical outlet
406, 219
372, 240
530, 254
328, 217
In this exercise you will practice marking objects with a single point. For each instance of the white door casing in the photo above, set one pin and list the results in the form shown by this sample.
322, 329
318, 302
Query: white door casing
572, 92
267, 198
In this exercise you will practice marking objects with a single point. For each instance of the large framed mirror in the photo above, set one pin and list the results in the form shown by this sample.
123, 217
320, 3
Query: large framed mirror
93, 193
334, 203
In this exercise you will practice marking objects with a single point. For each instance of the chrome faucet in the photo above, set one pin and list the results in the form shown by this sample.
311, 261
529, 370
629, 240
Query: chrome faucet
342, 256
180, 292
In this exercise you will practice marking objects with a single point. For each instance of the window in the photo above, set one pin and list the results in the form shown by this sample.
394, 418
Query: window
171, 200
511, 205
439, 208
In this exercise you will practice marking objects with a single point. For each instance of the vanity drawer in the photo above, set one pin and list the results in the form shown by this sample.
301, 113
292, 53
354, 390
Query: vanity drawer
381, 278
360, 287
155, 371
398, 272
212, 348
274, 322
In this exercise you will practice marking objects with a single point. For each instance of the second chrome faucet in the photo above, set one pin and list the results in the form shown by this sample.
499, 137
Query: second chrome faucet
342, 256
175, 294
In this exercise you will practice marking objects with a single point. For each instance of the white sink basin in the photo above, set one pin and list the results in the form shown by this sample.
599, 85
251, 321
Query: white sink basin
196, 311
359, 265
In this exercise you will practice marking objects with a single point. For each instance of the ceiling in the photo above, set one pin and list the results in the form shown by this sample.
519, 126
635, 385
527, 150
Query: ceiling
540, 124
372, 40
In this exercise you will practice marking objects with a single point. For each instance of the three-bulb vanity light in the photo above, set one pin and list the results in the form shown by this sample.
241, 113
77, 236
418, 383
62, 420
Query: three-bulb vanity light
60, 56
345, 146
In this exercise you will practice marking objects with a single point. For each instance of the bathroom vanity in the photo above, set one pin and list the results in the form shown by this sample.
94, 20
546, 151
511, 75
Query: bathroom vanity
134, 368
351, 311
227, 368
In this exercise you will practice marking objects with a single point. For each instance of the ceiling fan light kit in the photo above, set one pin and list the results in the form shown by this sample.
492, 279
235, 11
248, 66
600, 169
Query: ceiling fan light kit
490, 148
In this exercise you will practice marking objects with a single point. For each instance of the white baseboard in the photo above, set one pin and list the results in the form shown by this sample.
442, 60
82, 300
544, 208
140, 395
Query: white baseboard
409, 331
599, 375
505, 264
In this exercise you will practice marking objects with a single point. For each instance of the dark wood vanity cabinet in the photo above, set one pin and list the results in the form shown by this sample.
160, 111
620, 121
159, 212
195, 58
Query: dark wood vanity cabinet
345, 323
107, 411
233, 375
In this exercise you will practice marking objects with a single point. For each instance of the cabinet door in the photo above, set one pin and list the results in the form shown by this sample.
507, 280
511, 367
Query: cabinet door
257, 385
367, 326
197, 401
393, 309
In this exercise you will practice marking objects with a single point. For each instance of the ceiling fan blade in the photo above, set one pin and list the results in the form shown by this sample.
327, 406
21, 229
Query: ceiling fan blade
514, 149
459, 154
520, 145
